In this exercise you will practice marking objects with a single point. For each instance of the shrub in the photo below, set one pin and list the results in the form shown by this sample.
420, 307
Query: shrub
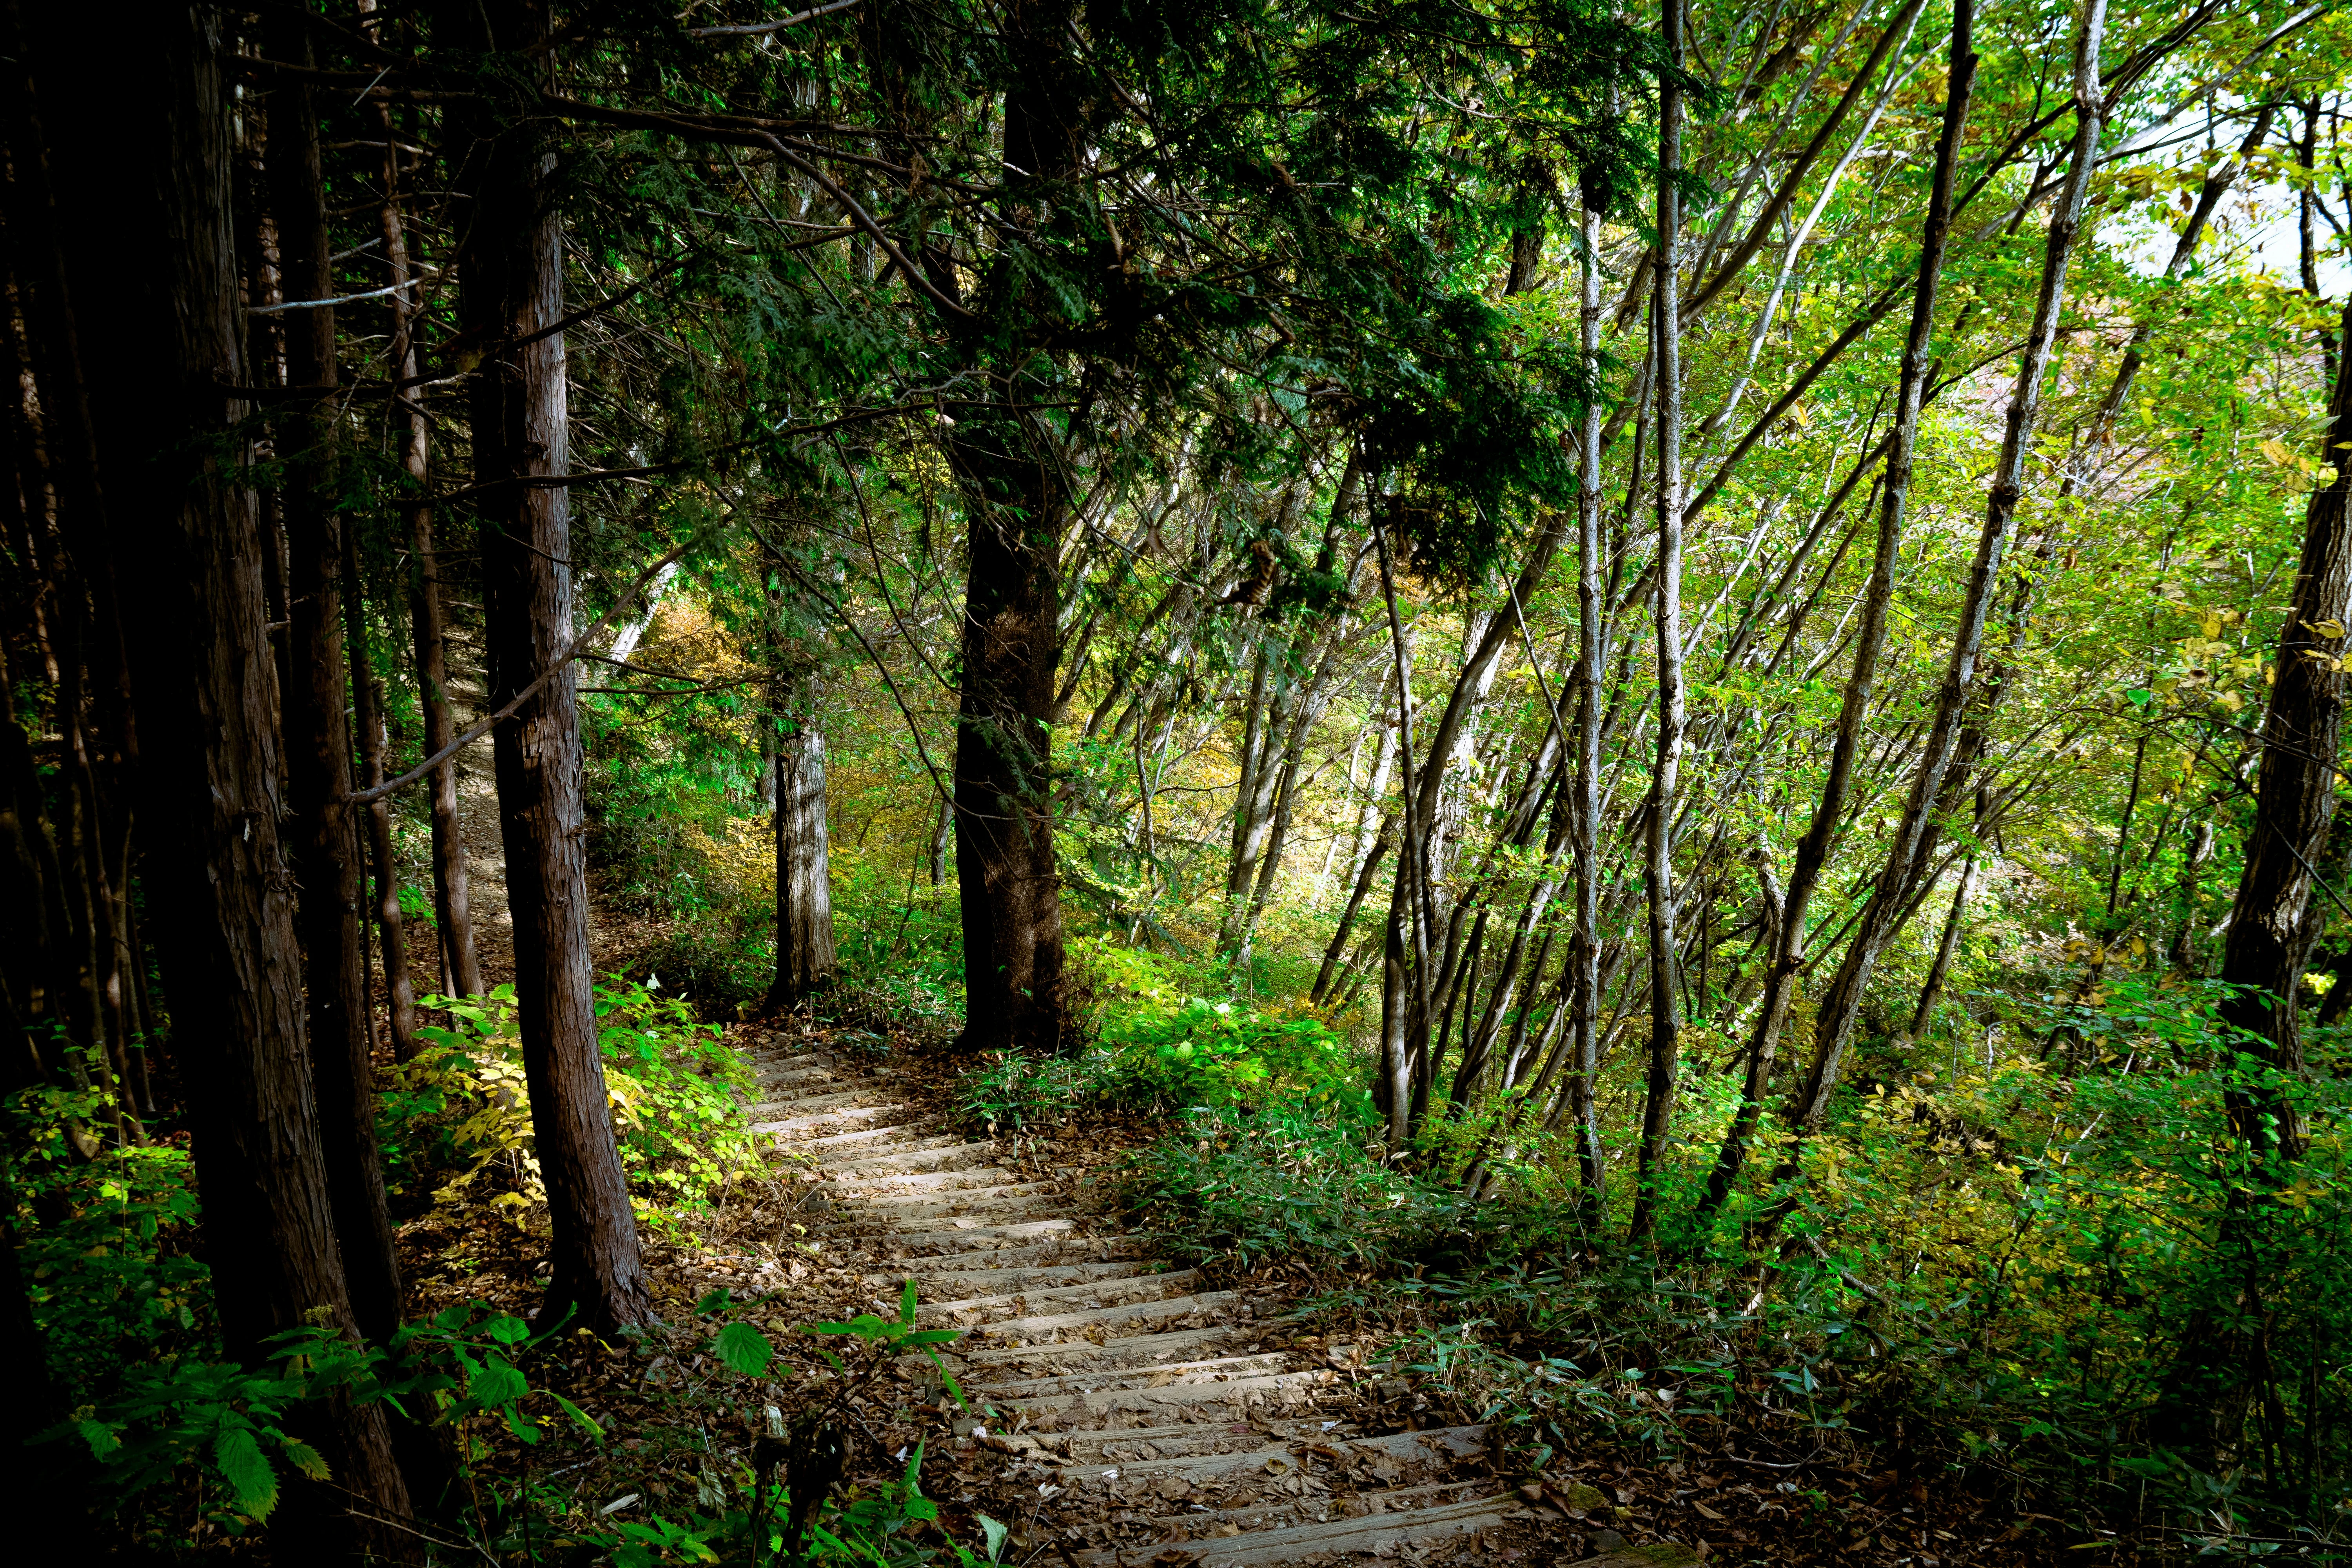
672, 1085
1290, 1181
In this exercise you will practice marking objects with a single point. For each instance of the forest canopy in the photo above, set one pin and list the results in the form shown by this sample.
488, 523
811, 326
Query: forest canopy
1648, 702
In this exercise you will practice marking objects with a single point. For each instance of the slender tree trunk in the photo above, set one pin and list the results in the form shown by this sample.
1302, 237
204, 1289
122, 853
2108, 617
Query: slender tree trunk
139, 144
1933, 991
1786, 960
1584, 801
322, 836
1833, 1027
461, 964
512, 255
367, 713
1666, 1011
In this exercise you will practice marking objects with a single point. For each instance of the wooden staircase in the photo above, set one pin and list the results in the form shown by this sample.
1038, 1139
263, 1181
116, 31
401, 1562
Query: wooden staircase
1163, 1422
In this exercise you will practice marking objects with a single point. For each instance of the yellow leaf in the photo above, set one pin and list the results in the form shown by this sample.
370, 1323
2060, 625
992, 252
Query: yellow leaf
2276, 451
2211, 627
2330, 630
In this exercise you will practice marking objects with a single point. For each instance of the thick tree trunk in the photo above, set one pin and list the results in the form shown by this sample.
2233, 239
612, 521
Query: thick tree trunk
1006, 867
1786, 962
1658, 870
154, 283
461, 964
512, 255
2269, 947
2271, 928
1018, 509
804, 953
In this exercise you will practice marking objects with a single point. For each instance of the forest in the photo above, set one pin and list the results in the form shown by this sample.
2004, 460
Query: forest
1194, 782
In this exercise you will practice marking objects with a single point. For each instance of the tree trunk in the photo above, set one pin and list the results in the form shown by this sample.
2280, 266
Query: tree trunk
1006, 867
1786, 963
2271, 933
322, 834
203, 677
1834, 1028
1018, 509
805, 956
2271, 928
512, 295
1933, 991
376, 817
1584, 801
461, 964
1658, 871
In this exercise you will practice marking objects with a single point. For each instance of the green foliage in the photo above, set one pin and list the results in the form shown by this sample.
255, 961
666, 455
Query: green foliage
1160, 1057
888, 1525
1286, 1180
106, 1243
237, 1424
673, 1088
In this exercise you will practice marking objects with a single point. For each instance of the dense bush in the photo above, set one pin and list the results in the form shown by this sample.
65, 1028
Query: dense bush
462, 1108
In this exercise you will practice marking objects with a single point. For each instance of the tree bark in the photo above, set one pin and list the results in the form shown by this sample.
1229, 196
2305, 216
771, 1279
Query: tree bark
1584, 801
512, 293
2271, 923
2269, 943
322, 832
1786, 963
1018, 510
461, 964
1658, 870
165, 298
1834, 1028
804, 952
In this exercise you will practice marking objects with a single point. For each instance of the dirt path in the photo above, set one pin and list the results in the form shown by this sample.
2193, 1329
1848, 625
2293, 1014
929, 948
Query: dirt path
1161, 1422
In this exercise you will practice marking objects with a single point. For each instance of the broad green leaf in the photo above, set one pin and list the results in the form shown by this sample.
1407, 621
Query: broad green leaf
494, 1382
745, 1349
907, 1304
247, 1469
507, 1331
99, 1436
996, 1533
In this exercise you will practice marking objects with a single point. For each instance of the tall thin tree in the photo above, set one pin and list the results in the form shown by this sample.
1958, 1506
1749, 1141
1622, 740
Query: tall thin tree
511, 297
1658, 868
322, 832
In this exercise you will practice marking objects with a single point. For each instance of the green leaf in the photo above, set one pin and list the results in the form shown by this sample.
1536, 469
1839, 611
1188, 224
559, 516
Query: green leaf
745, 1349
305, 1458
922, 1508
996, 1533
576, 1414
99, 1436
907, 1304
247, 1469
933, 1336
507, 1331
494, 1382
